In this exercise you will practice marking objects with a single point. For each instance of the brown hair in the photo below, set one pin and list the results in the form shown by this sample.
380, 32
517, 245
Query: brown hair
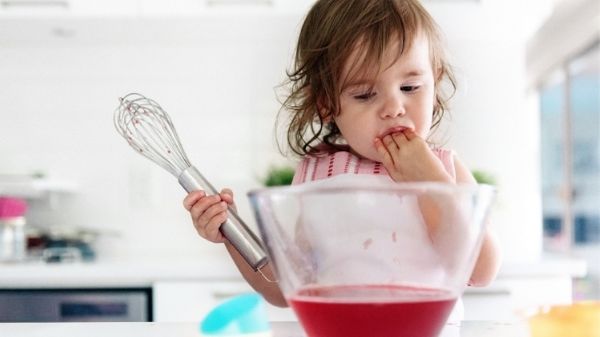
331, 31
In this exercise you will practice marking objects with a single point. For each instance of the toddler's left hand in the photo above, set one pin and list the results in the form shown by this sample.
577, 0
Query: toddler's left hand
407, 158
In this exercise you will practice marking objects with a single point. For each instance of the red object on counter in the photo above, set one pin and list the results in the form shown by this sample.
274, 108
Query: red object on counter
372, 310
12, 207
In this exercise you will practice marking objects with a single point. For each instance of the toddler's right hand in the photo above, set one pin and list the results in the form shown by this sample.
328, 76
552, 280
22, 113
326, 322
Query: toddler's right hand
209, 212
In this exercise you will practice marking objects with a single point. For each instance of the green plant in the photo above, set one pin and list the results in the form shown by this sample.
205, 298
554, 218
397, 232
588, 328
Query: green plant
279, 176
483, 177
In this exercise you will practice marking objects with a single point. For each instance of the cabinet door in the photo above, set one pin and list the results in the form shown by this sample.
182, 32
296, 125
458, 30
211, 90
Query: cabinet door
68, 8
191, 301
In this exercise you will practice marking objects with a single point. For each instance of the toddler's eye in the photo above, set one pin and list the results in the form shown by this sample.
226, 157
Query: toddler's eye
409, 88
365, 96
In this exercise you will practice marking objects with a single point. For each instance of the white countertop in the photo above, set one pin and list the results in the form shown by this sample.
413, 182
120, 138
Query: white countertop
279, 329
117, 273
142, 273
548, 265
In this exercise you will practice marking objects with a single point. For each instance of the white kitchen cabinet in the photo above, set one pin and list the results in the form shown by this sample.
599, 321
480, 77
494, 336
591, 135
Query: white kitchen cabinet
522, 287
68, 8
222, 7
508, 299
105, 7
168, 8
185, 301
145, 8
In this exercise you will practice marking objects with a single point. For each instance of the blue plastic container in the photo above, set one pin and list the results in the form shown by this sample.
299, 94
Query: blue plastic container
243, 314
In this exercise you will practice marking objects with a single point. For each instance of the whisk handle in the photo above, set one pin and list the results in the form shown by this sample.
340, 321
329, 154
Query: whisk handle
234, 229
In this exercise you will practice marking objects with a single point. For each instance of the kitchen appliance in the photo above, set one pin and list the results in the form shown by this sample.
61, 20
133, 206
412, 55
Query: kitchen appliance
149, 131
369, 258
76, 305
58, 244
13, 241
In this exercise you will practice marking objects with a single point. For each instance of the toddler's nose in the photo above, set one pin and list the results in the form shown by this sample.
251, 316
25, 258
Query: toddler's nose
393, 107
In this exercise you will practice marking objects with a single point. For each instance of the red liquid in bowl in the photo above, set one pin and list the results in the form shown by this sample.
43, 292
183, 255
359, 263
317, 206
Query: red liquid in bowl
372, 310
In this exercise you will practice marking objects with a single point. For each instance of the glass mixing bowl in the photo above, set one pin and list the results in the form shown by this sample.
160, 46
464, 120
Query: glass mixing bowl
372, 260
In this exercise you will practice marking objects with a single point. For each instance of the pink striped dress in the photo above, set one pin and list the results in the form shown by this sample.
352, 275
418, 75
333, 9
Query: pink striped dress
322, 166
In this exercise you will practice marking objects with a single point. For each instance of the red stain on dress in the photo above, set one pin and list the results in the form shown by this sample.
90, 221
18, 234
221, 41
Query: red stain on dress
367, 243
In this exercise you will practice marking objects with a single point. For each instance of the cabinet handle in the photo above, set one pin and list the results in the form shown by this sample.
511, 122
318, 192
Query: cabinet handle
216, 3
488, 292
78, 310
7, 4
221, 295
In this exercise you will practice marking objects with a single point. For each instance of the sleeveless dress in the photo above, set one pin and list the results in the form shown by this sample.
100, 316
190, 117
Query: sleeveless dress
318, 167
331, 169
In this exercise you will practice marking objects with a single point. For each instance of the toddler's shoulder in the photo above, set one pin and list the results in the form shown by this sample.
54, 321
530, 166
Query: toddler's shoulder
446, 156
442, 152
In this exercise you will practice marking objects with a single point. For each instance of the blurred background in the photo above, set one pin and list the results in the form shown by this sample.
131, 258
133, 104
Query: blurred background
100, 218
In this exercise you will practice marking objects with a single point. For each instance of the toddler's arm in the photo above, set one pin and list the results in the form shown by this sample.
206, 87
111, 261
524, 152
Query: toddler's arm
208, 213
488, 262
407, 157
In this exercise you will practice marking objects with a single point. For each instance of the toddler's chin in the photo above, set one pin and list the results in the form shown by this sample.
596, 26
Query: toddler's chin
371, 155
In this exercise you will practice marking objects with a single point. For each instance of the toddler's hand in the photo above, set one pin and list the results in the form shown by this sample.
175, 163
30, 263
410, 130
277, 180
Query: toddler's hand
209, 212
407, 157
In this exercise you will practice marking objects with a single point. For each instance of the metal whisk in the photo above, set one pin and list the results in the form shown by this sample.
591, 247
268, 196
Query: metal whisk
149, 130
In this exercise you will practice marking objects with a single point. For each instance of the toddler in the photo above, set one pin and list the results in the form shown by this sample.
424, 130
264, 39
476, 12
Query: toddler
365, 95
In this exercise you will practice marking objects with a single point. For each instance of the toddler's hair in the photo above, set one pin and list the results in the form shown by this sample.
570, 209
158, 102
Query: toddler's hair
331, 31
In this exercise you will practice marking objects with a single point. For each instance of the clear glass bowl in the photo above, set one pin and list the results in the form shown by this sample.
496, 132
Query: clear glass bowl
372, 260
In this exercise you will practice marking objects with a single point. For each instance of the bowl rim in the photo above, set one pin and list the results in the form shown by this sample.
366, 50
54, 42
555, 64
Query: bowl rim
413, 187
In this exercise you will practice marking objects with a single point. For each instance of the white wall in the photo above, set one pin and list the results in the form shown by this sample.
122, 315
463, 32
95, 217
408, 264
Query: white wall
494, 122
216, 78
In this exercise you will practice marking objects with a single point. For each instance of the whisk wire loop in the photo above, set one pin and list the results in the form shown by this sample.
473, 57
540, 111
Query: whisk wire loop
150, 131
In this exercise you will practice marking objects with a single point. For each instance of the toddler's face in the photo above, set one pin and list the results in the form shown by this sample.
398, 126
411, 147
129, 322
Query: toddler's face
402, 96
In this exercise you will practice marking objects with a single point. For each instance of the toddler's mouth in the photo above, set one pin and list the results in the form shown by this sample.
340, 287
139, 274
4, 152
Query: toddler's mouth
392, 131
